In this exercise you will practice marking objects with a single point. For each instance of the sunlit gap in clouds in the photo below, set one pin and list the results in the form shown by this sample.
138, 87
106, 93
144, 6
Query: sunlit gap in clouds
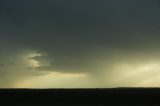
32, 61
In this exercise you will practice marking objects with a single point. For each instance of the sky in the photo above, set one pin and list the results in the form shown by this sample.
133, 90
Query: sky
79, 43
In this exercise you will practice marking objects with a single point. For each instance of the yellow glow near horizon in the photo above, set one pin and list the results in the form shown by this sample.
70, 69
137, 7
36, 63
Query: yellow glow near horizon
131, 75
144, 75
120, 74
55, 80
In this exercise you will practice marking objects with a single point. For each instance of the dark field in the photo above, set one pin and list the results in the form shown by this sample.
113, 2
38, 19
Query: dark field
81, 97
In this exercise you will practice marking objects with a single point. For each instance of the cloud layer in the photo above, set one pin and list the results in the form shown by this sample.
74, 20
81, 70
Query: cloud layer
101, 39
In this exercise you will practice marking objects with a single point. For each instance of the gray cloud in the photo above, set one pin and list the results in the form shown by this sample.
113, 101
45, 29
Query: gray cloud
78, 36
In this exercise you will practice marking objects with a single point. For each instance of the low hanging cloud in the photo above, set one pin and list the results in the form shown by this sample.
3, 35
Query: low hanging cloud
105, 40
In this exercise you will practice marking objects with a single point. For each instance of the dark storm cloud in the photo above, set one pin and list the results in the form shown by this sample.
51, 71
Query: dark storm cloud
77, 35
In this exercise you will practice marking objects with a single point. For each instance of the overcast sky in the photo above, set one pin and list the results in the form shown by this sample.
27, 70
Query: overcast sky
79, 43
